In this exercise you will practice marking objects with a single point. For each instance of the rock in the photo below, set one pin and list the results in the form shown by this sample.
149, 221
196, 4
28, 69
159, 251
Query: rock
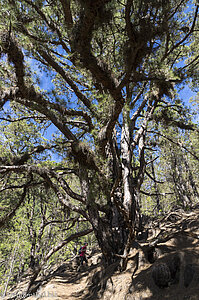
174, 267
188, 274
161, 275
153, 254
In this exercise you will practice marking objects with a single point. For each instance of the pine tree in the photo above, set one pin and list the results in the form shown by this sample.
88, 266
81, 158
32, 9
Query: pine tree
110, 66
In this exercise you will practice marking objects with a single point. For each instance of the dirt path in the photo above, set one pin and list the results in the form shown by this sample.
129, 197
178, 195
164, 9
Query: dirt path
134, 283
66, 284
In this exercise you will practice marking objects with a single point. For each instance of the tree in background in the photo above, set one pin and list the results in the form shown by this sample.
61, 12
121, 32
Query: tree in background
34, 224
174, 180
108, 69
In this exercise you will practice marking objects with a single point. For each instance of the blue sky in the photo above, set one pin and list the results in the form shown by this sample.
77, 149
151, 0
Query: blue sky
185, 94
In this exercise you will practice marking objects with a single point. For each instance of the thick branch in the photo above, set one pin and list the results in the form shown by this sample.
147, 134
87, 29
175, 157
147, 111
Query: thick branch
6, 95
12, 213
98, 68
66, 241
45, 174
82, 44
48, 58
150, 110
67, 13
138, 111
23, 118
21, 160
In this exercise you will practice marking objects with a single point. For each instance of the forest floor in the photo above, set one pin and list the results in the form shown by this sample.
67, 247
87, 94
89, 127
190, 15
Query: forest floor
65, 284
175, 236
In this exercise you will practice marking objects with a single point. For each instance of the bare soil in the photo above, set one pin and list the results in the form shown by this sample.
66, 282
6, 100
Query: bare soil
176, 235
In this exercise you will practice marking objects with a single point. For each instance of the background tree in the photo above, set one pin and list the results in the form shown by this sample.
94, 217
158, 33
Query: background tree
35, 226
175, 163
110, 66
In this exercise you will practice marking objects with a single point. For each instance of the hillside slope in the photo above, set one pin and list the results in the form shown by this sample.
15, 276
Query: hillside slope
165, 266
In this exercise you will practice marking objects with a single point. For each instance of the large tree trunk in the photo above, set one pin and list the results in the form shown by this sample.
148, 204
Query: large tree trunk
105, 223
129, 186
115, 230
115, 226
127, 176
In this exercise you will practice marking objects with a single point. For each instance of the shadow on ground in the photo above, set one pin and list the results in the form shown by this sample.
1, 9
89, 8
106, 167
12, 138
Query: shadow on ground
186, 283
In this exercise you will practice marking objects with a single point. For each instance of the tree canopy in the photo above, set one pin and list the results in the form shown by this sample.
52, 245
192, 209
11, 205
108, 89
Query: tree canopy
106, 74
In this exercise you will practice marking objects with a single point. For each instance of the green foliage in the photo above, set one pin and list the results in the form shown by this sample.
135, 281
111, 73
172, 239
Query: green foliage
176, 171
41, 222
104, 77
